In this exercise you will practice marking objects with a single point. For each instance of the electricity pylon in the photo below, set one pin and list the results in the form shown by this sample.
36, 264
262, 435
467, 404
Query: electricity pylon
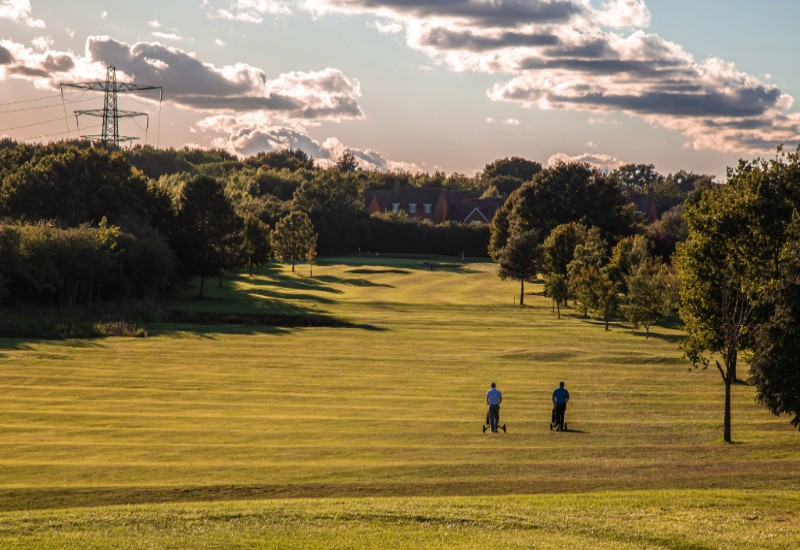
109, 113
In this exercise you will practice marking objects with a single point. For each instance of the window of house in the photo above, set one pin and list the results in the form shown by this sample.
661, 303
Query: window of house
395, 207
412, 208
428, 208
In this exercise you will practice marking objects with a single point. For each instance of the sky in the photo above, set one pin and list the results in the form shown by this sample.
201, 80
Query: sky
420, 86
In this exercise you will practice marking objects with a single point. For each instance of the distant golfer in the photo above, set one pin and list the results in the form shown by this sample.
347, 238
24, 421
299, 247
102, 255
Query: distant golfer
493, 399
560, 398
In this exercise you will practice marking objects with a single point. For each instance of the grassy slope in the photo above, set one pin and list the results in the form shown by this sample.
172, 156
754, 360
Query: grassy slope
388, 407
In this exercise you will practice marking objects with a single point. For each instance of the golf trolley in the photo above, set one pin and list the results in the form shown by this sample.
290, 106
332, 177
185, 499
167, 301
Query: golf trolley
489, 423
554, 423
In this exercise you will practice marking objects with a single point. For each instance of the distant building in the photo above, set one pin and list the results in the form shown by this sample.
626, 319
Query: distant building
435, 204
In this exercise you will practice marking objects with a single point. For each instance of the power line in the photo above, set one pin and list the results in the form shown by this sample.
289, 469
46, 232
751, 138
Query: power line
34, 99
32, 124
46, 106
55, 133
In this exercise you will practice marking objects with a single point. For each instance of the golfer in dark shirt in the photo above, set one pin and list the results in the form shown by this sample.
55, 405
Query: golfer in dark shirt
493, 399
560, 398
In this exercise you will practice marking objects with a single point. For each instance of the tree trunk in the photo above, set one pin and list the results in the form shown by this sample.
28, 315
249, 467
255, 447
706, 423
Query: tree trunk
726, 430
292, 266
558, 308
521, 292
732, 366
726, 422
202, 286
647, 331
554, 305
606, 320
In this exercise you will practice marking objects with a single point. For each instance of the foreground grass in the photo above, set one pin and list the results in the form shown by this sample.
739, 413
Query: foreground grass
388, 405
669, 519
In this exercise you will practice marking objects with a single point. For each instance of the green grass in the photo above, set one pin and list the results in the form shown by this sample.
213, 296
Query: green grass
368, 433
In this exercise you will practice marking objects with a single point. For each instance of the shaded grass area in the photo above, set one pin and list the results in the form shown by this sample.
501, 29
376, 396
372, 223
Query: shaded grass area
217, 413
619, 520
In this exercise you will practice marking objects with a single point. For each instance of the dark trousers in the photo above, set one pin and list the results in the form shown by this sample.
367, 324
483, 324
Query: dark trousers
493, 417
561, 408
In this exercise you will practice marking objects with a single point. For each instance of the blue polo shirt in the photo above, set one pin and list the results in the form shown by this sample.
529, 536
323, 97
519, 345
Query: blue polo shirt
493, 396
561, 395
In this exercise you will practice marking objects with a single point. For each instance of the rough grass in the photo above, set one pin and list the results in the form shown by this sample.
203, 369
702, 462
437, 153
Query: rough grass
376, 423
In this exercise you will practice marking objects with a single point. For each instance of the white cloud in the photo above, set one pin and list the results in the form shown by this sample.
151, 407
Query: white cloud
511, 122
103, 14
219, 42
167, 36
603, 162
188, 82
252, 134
567, 55
590, 145
19, 11
621, 14
246, 11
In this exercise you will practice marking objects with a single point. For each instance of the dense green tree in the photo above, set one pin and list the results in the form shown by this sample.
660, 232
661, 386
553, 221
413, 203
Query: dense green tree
518, 168
347, 162
293, 237
775, 366
558, 249
595, 291
74, 186
211, 231
564, 193
335, 204
520, 260
626, 256
556, 287
639, 177
255, 246
585, 269
650, 290
668, 231
285, 159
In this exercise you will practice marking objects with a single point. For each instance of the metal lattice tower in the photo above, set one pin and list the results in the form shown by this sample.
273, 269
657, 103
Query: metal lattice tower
109, 113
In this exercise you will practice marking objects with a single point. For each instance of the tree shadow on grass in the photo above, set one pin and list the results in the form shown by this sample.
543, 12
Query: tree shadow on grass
266, 293
403, 263
639, 333
23, 343
379, 271
351, 282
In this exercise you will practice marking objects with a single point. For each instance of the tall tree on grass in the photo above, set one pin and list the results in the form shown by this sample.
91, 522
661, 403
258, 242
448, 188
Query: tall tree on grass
556, 287
650, 291
730, 263
520, 260
596, 292
587, 275
293, 237
558, 250
211, 231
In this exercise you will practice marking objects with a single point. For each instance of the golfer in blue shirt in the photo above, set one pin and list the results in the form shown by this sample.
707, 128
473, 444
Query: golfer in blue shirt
493, 399
560, 398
